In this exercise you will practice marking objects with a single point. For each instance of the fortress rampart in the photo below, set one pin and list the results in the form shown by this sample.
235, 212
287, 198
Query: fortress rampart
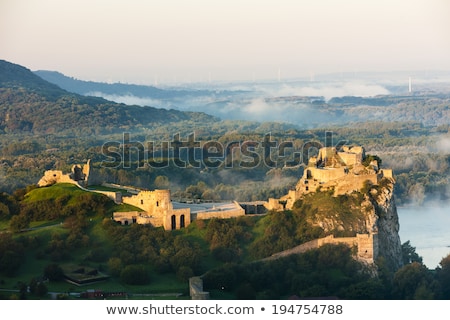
234, 210
366, 245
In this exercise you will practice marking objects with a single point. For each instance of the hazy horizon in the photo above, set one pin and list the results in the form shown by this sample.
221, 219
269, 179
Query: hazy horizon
174, 41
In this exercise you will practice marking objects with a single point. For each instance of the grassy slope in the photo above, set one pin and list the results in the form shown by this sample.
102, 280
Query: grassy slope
34, 265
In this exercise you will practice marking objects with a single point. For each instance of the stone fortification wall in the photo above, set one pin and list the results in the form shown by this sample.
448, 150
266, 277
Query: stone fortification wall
114, 196
285, 202
234, 211
323, 175
196, 289
354, 183
157, 210
54, 176
79, 175
352, 157
177, 219
126, 218
130, 217
366, 244
387, 173
155, 202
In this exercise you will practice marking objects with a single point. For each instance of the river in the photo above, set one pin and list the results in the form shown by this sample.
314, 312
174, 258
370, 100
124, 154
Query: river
428, 230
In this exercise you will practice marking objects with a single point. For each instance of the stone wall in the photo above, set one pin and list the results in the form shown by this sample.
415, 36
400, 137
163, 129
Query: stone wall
158, 210
323, 175
54, 176
354, 183
366, 244
177, 219
79, 175
155, 202
126, 218
114, 196
196, 289
235, 211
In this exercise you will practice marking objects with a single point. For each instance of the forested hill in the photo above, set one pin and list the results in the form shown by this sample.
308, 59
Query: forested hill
30, 104
89, 87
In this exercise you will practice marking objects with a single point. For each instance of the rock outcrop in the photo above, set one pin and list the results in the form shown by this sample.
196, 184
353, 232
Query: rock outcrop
350, 195
386, 221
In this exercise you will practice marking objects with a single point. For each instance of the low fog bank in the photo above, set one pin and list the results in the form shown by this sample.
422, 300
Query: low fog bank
426, 226
263, 102
306, 104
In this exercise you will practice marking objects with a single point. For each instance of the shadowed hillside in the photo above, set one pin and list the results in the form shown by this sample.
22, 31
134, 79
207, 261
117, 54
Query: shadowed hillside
30, 104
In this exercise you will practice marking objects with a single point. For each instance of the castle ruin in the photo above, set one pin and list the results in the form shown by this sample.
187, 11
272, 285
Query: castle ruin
79, 175
342, 171
339, 171
156, 206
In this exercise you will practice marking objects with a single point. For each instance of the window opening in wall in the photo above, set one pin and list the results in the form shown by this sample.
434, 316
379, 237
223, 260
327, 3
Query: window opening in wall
174, 222
182, 221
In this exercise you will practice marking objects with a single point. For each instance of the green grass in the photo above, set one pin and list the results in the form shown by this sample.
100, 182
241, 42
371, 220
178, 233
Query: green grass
53, 192
4, 225
124, 207
110, 189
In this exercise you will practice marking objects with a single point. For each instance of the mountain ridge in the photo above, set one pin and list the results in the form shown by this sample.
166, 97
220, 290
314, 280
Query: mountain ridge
84, 87
32, 104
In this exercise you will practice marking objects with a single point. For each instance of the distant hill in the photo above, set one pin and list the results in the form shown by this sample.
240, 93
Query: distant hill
29, 103
120, 89
16, 76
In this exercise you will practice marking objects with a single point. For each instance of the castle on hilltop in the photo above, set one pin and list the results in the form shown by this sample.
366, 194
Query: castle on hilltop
343, 171
156, 206
338, 171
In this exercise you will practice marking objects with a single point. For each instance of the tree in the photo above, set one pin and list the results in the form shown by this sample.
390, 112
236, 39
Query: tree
11, 254
162, 182
41, 289
115, 266
135, 274
369, 158
53, 272
409, 254
245, 292
413, 281
184, 273
443, 275
19, 222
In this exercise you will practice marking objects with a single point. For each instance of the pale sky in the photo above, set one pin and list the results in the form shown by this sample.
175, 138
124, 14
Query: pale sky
138, 41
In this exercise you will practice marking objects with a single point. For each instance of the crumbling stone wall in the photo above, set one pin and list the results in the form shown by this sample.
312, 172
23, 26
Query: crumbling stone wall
366, 244
196, 289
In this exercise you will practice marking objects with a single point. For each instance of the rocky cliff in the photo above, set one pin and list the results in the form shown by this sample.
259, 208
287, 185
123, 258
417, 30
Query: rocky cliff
385, 218
371, 210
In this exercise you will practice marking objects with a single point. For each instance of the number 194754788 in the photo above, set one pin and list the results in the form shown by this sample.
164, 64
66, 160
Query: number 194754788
307, 309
